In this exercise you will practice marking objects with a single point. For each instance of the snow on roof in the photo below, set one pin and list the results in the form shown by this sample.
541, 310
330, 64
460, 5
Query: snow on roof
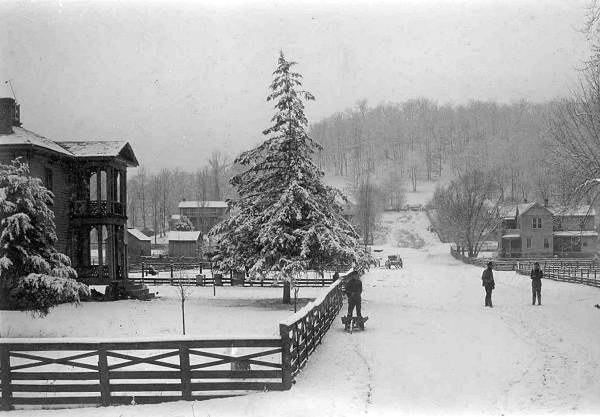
575, 233
511, 236
139, 235
78, 149
25, 137
209, 204
177, 236
98, 148
582, 210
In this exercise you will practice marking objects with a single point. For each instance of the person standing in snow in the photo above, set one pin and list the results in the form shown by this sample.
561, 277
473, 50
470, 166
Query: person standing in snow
536, 283
487, 281
353, 292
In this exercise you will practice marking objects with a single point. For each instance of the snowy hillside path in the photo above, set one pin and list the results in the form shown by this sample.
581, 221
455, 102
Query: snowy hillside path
431, 347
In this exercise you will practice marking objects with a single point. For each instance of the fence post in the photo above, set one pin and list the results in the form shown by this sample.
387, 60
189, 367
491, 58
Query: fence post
286, 357
185, 371
143, 267
171, 271
103, 377
6, 378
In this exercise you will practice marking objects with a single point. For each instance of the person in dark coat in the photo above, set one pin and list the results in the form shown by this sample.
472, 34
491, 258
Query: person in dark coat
353, 292
536, 283
487, 281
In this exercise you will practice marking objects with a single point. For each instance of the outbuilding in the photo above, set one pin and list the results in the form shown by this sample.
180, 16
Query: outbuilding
186, 244
138, 244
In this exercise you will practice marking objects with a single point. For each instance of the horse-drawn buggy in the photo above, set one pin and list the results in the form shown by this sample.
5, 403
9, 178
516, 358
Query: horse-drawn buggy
393, 261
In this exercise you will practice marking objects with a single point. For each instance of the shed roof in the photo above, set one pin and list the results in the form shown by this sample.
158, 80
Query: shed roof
177, 236
139, 235
208, 204
582, 210
511, 236
575, 233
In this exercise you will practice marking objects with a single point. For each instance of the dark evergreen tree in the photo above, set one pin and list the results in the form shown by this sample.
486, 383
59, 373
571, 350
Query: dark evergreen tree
286, 220
33, 274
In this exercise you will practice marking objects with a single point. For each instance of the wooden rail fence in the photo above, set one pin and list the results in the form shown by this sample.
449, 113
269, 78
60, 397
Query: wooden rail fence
304, 331
61, 372
582, 271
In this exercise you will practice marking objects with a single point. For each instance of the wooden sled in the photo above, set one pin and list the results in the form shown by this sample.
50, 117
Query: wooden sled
356, 323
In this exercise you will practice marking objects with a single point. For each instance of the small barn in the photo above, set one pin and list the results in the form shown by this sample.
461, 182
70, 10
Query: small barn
186, 244
138, 244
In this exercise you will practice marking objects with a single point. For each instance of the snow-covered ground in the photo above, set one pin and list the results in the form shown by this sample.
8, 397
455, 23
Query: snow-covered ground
432, 348
234, 311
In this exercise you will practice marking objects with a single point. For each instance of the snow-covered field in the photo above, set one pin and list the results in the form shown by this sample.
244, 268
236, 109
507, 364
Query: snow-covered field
430, 347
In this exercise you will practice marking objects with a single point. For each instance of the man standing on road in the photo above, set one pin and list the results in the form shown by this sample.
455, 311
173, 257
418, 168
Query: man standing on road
536, 283
354, 291
487, 281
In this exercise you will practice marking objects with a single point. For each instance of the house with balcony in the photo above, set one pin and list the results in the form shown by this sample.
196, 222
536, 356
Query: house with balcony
89, 183
535, 230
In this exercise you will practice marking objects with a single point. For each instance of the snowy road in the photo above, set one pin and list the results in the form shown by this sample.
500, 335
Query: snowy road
432, 348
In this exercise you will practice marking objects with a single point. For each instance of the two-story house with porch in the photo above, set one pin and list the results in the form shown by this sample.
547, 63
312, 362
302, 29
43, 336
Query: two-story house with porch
89, 183
535, 230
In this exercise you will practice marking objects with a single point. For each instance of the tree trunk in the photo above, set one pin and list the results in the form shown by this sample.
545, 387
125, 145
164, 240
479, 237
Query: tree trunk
183, 315
287, 299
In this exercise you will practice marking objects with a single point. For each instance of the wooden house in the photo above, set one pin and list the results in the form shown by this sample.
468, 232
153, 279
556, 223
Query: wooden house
138, 244
535, 230
203, 214
89, 183
188, 244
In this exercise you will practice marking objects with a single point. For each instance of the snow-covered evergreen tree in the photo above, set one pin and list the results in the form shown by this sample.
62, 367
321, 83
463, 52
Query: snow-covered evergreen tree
286, 220
33, 274
184, 224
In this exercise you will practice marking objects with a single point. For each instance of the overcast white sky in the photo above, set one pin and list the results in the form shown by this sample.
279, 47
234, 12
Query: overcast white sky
179, 80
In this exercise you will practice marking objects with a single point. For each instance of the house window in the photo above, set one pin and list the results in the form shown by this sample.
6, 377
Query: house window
537, 222
546, 243
528, 243
48, 180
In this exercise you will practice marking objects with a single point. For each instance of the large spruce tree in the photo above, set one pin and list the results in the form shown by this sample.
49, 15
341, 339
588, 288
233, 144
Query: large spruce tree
286, 220
33, 274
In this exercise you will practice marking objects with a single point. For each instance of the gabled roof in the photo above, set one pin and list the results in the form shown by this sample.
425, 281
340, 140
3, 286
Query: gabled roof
25, 137
208, 204
108, 148
139, 235
524, 208
177, 236
83, 149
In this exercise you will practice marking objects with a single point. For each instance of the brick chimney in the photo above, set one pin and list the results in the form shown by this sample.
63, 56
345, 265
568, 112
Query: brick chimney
9, 115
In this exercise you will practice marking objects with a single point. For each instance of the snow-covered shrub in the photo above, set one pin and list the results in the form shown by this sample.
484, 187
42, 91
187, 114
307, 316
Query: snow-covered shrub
184, 224
39, 292
27, 238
